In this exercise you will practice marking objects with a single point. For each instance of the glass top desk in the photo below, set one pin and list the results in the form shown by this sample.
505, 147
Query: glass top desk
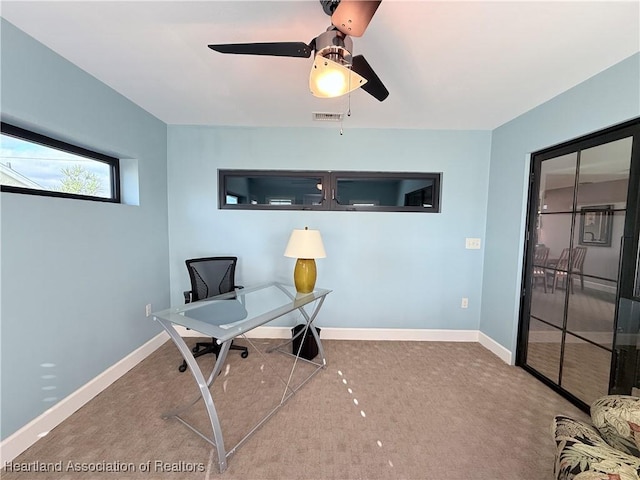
232, 315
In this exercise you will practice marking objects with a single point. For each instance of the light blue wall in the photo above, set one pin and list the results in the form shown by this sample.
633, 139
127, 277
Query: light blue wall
608, 98
76, 275
391, 270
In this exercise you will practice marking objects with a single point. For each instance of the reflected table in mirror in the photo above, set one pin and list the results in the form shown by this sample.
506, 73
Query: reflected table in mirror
230, 316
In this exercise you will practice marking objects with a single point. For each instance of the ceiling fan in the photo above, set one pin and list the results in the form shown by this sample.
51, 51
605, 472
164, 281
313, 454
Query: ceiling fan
335, 71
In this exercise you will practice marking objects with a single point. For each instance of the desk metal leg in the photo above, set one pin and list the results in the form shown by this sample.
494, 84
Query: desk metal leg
205, 394
309, 319
203, 385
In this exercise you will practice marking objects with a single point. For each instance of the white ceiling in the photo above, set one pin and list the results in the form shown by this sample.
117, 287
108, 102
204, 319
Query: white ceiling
447, 65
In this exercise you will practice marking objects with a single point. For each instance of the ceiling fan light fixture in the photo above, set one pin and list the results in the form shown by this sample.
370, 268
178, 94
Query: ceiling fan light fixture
329, 79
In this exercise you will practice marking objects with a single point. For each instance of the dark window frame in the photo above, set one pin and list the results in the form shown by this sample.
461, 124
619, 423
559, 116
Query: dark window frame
37, 138
329, 180
630, 256
355, 175
224, 174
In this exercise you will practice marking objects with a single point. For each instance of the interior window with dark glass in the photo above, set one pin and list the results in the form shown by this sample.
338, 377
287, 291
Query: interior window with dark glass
329, 190
273, 190
384, 190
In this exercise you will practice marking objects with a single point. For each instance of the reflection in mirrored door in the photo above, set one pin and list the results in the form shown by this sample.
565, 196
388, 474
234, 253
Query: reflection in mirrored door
577, 218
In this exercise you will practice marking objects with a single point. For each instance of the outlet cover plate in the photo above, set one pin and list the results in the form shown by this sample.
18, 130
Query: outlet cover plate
472, 243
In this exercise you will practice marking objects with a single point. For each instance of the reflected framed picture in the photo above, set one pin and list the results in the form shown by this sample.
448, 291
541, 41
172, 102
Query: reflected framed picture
595, 225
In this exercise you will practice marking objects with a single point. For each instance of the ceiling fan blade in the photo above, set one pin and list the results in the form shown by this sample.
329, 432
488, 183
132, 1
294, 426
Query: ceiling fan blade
374, 85
276, 49
352, 17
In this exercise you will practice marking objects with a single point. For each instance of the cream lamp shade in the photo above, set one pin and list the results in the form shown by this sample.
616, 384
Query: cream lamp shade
330, 79
305, 245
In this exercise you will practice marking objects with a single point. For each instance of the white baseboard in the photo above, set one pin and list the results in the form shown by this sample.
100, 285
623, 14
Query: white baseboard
19, 441
597, 286
406, 335
260, 332
494, 347
22, 439
335, 333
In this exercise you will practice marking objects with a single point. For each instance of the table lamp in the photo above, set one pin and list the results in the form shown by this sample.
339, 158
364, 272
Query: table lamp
305, 245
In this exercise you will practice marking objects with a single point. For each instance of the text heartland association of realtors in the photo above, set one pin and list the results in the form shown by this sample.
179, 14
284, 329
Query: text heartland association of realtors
109, 467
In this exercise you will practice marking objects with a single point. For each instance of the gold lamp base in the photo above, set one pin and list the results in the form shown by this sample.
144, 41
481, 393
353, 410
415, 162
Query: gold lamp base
304, 275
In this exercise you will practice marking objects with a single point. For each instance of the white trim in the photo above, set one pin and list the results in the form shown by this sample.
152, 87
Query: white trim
335, 333
596, 286
22, 439
19, 441
399, 334
494, 347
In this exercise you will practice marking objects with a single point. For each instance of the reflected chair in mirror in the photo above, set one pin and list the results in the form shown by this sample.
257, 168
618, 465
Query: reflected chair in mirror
562, 269
210, 276
579, 254
540, 256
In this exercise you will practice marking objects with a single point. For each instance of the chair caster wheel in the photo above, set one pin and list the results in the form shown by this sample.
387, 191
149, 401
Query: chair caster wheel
182, 368
244, 354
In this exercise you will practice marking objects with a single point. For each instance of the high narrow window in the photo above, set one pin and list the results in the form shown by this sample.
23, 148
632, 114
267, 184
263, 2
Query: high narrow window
317, 190
39, 165
288, 190
386, 191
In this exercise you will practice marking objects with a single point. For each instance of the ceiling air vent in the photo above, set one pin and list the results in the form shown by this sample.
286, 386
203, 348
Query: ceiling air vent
327, 117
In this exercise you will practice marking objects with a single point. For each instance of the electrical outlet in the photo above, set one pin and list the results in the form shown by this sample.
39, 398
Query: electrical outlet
464, 303
472, 243
147, 309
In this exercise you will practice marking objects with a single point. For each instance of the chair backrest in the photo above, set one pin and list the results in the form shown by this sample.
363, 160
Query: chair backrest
211, 276
579, 254
563, 261
540, 256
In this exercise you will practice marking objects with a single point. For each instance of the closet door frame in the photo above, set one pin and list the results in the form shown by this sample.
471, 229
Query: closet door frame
629, 256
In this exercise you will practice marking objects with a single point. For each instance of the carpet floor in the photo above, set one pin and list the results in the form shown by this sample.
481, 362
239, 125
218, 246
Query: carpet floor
380, 410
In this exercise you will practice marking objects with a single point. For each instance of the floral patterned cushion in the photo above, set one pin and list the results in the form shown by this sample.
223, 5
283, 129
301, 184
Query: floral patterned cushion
582, 454
617, 418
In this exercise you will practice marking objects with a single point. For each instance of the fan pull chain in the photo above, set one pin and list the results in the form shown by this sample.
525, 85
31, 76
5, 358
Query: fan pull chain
348, 106
348, 112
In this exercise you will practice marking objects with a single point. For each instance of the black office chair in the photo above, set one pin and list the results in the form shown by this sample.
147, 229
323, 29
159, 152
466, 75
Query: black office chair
211, 276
